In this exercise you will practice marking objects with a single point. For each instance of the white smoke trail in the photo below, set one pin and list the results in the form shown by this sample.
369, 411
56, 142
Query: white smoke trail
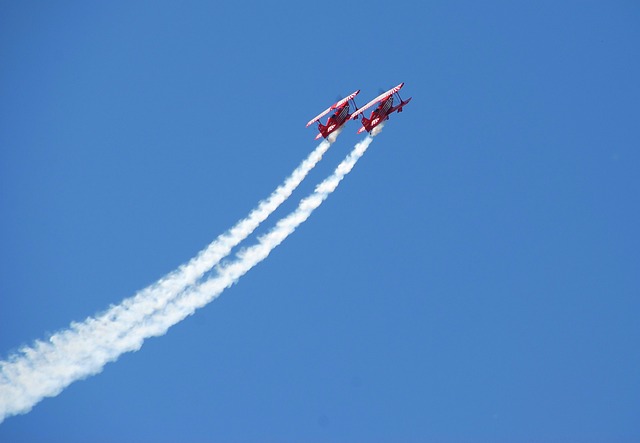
334, 135
48, 367
377, 130
229, 273
156, 295
82, 340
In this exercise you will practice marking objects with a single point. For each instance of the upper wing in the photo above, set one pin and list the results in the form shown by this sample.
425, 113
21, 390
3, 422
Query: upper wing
379, 98
339, 104
345, 100
319, 116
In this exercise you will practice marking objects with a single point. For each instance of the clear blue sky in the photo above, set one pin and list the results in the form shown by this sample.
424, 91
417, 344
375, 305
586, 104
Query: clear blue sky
475, 278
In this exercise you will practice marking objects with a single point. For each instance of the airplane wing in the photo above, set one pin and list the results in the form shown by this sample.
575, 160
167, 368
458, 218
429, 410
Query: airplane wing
379, 98
334, 106
319, 116
345, 100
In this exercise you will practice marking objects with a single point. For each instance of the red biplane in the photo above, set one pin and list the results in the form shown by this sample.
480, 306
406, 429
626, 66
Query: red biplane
339, 117
382, 112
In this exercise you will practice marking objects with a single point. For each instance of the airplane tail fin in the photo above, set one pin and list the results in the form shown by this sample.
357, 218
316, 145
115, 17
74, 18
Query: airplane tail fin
365, 125
323, 131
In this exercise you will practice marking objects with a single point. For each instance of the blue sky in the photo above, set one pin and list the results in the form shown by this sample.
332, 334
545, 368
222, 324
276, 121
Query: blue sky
475, 278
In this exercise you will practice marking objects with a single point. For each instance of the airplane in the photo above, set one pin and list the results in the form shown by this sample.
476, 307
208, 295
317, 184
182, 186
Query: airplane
339, 117
382, 112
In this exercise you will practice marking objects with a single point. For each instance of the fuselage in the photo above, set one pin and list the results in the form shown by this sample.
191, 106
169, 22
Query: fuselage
335, 121
378, 115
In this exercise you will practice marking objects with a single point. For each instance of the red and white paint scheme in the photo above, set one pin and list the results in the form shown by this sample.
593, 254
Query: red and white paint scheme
339, 117
382, 112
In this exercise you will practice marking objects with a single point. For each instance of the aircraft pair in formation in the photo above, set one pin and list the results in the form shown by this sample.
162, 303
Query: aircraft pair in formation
341, 112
